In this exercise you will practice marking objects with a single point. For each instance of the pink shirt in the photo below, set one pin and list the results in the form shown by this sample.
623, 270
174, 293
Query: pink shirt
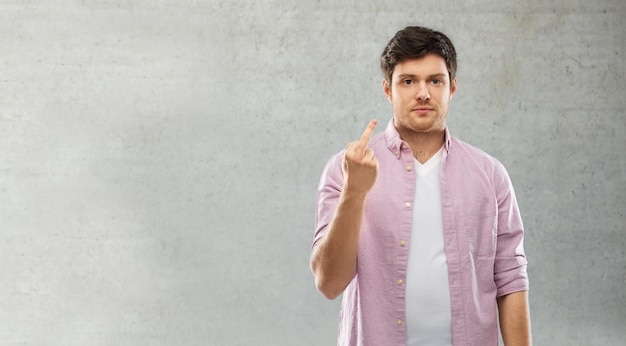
483, 240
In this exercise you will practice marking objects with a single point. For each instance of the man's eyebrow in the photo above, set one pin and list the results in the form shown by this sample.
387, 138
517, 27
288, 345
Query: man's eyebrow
439, 75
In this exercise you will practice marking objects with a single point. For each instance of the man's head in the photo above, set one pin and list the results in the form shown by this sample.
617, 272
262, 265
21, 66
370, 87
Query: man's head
416, 42
419, 66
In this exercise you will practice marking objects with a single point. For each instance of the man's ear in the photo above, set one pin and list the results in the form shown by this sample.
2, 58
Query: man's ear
452, 88
387, 89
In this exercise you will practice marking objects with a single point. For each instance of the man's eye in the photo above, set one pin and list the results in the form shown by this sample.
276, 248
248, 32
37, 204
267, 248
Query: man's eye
436, 81
407, 82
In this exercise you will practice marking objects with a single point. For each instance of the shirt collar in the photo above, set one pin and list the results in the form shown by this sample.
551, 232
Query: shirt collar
396, 145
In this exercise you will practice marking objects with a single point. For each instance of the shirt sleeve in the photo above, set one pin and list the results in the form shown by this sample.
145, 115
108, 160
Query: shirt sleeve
328, 192
510, 262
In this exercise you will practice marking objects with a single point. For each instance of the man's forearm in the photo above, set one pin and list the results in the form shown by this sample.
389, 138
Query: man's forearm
333, 260
514, 316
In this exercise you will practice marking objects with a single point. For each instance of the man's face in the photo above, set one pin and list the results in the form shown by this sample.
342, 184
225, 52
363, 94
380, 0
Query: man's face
420, 92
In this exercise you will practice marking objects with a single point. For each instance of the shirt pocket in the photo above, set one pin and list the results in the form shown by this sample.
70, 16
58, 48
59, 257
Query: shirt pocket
482, 228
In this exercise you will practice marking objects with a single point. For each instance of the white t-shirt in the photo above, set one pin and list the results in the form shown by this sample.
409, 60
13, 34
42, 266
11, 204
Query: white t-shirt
428, 319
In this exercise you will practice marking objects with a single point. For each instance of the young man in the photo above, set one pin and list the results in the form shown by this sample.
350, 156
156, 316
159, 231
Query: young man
420, 232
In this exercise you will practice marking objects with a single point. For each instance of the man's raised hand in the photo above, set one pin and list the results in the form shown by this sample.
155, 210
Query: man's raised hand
360, 166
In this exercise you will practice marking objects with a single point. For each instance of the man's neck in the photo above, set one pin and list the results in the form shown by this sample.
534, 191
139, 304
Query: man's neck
424, 145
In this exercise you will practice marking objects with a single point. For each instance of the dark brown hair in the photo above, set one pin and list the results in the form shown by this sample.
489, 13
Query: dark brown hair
414, 42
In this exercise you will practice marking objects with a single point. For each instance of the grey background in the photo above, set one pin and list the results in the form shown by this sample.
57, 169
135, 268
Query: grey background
159, 159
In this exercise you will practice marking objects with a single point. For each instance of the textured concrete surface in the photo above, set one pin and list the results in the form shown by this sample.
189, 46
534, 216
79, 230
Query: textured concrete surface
159, 159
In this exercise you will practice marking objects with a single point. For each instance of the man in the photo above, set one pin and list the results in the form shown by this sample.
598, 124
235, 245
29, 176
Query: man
420, 232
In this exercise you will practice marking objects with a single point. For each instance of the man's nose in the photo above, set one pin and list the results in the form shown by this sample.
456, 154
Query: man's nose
422, 92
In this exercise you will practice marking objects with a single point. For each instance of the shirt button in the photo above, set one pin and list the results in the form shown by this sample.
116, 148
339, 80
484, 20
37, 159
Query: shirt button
407, 204
399, 322
400, 281
449, 241
409, 168
402, 242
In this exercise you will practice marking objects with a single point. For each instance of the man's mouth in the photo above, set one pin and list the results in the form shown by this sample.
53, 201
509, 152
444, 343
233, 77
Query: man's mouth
422, 110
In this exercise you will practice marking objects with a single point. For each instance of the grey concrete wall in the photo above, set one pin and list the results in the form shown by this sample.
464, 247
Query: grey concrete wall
159, 159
